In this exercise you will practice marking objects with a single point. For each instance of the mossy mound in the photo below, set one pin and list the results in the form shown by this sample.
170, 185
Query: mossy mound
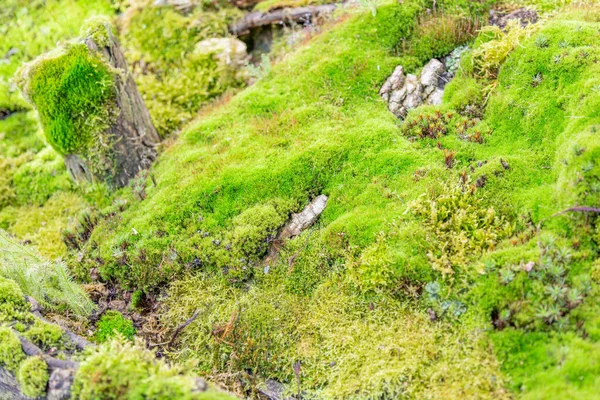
33, 376
73, 92
428, 230
122, 370
175, 81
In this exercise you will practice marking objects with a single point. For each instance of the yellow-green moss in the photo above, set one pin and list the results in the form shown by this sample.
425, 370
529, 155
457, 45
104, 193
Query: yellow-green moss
33, 376
43, 225
119, 369
46, 335
11, 353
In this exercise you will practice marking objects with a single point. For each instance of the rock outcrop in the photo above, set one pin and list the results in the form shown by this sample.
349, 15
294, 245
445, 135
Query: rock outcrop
525, 17
403, 91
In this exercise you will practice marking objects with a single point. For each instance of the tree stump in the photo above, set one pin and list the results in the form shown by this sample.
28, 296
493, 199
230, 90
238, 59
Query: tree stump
90, 108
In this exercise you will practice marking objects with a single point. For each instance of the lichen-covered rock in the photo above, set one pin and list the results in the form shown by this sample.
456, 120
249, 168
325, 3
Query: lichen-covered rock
404, 92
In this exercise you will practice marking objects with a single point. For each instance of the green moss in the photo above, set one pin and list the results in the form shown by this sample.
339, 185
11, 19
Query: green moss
13, 305
11, 294
46, 335
11, 353
459, 227
43, 225
73, 93
36, 181
113, 324
122, 370
33, 376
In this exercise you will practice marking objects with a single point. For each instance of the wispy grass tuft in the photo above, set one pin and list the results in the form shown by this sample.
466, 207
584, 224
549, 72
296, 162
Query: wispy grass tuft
50, 283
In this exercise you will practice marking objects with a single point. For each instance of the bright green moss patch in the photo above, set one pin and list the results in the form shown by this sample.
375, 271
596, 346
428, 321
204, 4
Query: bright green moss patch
549, 366
11, 353
112, 324
73, 93
43, 225
33, 376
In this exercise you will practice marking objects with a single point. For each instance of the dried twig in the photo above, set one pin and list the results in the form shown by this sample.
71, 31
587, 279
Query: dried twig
182, 326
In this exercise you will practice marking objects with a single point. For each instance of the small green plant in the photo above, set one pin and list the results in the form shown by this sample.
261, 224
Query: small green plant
50, 283
506, 276
489, 56
262, 69
33, 376
537, 79
137, 299
112, 324
542, 41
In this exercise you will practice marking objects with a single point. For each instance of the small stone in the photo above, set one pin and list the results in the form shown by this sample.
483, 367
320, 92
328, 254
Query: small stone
230, 51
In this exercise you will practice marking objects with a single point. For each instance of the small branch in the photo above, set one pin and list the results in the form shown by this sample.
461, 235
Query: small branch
53, 363
286, 15
182, 327
77, 340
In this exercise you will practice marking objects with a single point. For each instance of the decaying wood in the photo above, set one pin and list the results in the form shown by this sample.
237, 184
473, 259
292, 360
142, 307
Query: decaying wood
53, 363
132, 135
280, 16
296, 224
304, 219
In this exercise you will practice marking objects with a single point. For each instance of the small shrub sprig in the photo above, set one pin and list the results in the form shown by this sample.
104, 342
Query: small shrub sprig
428, 125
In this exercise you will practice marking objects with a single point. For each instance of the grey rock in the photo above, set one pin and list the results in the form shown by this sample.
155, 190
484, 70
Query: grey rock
59, 384
435, 98
430, 74
230, 51
405, 92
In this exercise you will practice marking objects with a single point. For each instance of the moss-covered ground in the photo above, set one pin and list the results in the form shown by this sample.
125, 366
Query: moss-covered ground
442, 266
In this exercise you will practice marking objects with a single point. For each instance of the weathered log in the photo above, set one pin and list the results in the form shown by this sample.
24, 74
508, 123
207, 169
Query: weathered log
134, 138
280, 16
9, 387
90, 107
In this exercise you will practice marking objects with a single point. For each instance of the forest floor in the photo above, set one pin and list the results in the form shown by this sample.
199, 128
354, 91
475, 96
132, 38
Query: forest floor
457, 254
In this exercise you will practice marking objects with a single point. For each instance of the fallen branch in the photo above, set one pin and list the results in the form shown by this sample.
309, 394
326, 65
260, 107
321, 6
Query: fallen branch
77, 340
285, 15
182, 327
53, 363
